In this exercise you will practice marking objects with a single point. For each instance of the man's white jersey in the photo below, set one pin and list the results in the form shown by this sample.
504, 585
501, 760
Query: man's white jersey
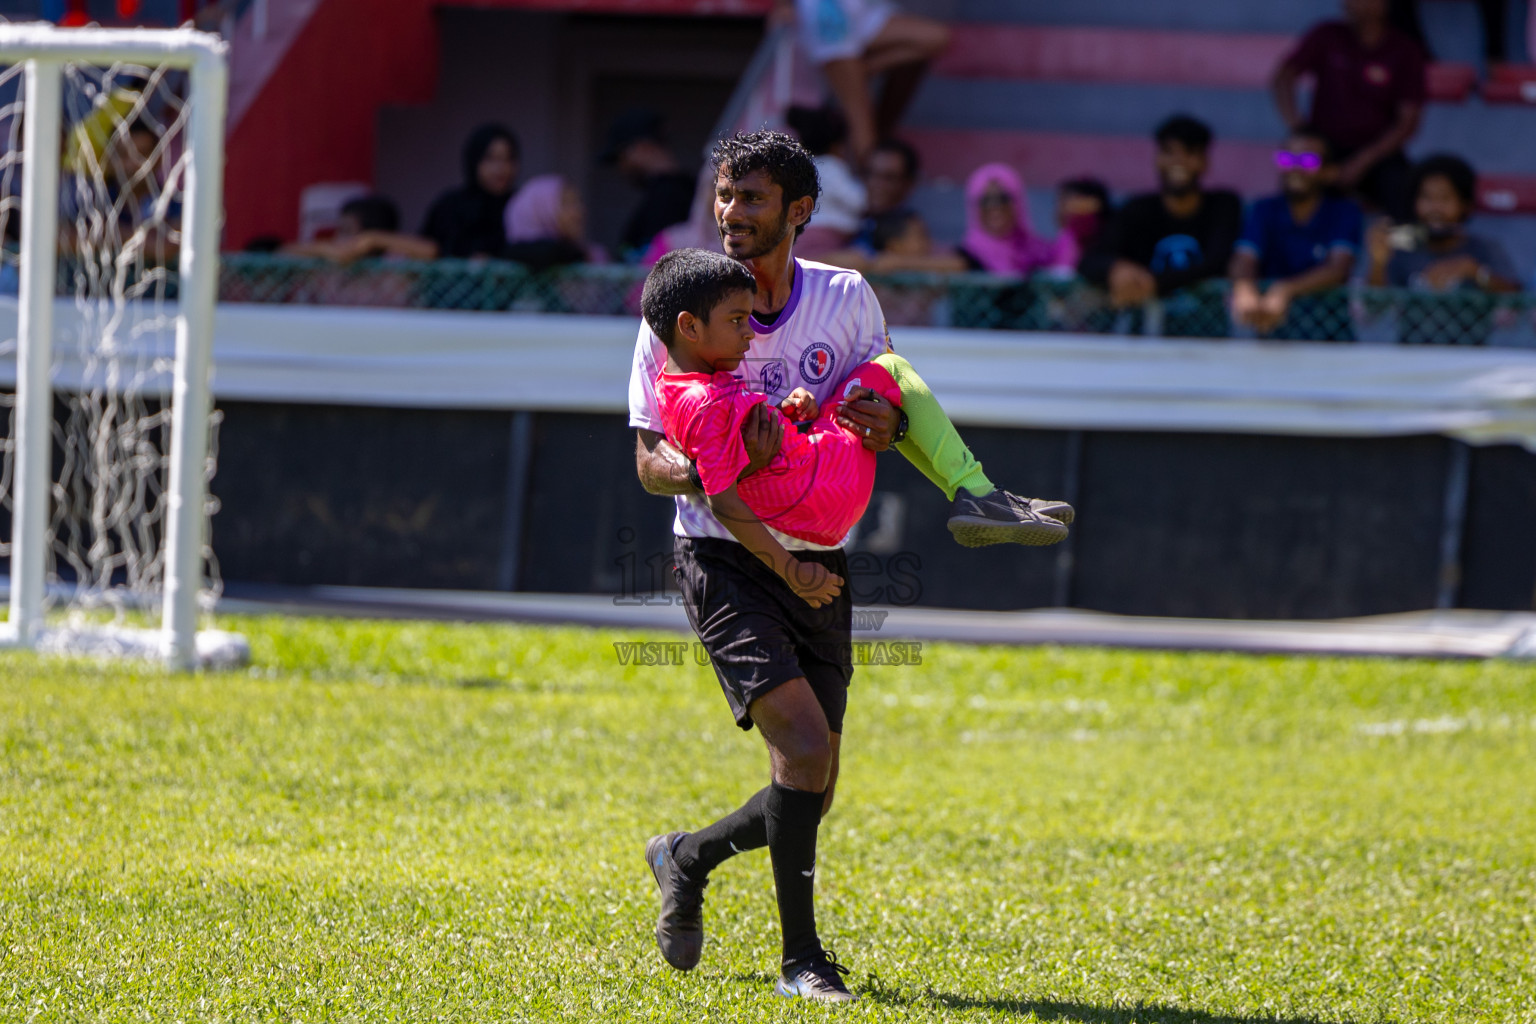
831, 323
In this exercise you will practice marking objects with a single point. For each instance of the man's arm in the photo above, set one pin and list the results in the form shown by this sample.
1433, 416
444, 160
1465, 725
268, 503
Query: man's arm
1282, 86
1244, 271
663, 469
1331, 273
1396, 137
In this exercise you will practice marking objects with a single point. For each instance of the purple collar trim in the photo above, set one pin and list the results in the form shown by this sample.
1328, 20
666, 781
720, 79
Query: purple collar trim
789, 307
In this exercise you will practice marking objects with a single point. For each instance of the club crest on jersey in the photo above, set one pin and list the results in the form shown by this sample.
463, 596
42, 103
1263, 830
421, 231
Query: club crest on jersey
773, 378
816, 362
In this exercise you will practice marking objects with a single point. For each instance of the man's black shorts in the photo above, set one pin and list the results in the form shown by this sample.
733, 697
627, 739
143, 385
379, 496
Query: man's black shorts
758, 632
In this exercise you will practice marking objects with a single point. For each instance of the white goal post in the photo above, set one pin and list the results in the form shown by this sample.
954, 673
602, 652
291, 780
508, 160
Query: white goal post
48, 53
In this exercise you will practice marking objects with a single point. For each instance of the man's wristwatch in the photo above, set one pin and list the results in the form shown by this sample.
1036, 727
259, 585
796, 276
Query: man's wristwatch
901, 428
693, 475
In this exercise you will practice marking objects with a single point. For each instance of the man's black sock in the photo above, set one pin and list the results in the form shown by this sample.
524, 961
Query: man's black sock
793, 817
745, 828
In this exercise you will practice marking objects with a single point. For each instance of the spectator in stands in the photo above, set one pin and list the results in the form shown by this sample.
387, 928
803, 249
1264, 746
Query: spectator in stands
840, 209
368, 226
547, 226
890, 175
893, 236
1436, 253
1303, 242
468, 221
1367, 99
853, 41
1171, 239
998, 237
637, 148
1082, 208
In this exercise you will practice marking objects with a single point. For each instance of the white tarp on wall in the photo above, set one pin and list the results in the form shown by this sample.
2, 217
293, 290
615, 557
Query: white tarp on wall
445, 359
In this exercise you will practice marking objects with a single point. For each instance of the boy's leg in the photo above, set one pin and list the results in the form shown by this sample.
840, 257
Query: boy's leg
981, 513
932, 443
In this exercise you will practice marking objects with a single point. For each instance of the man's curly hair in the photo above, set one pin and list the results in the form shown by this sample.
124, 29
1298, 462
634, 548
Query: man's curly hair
787, 163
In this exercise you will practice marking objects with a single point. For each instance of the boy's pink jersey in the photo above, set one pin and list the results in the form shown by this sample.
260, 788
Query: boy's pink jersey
819, 483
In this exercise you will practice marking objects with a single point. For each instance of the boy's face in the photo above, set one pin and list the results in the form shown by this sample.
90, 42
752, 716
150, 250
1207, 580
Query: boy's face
1074, 207
721, 342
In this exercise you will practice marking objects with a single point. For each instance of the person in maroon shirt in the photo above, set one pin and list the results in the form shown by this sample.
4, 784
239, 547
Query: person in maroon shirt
1367, 98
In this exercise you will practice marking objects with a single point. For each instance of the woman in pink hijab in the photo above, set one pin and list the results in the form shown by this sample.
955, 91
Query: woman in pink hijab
998, 238
547, 225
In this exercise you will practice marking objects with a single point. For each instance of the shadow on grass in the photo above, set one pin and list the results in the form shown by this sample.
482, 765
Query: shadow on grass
1081, 1013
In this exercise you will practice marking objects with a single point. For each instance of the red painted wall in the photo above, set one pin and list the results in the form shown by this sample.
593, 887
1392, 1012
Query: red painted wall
317, 116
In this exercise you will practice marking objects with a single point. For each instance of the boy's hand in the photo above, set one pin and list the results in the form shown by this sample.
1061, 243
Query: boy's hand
800, 406
813, 581
761, 433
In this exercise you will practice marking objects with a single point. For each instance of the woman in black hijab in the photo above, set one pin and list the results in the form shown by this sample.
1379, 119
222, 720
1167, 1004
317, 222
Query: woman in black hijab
468, 221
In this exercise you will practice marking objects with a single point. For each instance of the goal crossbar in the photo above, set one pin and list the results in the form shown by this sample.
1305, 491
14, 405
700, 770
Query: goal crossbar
45, 50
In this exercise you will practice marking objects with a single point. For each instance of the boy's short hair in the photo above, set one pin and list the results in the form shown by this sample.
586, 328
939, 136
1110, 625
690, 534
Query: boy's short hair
1191, 133
1453, 169
1093, 188
787, 163
690, 281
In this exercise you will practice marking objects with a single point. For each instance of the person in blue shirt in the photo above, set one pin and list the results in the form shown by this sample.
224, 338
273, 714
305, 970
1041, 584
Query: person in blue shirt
1303, 242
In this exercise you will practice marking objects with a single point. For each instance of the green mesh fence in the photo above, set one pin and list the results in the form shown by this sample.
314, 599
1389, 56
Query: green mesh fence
930, 300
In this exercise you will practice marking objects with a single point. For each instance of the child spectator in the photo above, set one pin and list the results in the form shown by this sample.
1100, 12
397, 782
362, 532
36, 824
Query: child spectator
547, 226
368, 226
1367, 98
1172, 239
467, 221
824, 132
1303, 241
1436, 253
1082, 207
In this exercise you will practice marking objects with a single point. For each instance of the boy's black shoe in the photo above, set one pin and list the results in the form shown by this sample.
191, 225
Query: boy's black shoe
1001, 518
1057, 510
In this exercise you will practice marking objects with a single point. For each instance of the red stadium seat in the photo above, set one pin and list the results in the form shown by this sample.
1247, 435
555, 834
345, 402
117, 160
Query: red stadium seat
1228, 60
1511, 84
1506, 193
1124, 163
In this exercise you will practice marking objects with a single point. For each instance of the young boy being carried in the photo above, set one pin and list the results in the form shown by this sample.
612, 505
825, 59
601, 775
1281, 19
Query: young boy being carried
817, 487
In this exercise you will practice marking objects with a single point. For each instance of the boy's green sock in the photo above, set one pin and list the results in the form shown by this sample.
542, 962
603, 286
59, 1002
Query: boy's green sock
932, 443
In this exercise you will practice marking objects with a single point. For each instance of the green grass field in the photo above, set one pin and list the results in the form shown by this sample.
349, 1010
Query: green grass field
424, 822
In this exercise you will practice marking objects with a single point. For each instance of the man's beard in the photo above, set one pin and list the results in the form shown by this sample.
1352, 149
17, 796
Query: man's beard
1188, 187
759, 244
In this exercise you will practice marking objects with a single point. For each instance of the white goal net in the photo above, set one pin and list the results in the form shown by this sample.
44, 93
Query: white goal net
109, 198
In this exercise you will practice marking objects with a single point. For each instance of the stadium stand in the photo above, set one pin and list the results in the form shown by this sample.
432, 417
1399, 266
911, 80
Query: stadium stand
1059, 90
